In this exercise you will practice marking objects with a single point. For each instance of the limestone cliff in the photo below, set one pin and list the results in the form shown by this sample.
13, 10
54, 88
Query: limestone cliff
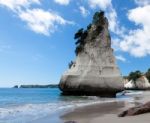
141, 83
94, 72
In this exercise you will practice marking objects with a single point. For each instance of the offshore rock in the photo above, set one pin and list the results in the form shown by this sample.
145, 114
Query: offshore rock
94, 72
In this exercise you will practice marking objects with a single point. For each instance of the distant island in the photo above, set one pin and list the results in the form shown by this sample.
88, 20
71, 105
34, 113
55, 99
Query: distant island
37, 86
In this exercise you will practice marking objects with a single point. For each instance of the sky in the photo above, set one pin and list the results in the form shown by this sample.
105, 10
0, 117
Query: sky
37, 36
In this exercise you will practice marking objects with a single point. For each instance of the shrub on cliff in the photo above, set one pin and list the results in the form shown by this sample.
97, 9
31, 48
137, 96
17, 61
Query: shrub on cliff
148, 74
80, 36
134, 75
70, 64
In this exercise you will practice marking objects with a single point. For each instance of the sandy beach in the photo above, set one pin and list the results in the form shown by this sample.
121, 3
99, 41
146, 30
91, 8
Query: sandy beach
108, 112
102, 112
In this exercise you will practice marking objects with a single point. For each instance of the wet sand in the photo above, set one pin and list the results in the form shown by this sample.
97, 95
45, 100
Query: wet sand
112, 118
102, 113
105, 113
108, 112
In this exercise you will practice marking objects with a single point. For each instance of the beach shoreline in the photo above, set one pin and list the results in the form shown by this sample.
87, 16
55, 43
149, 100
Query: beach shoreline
88, 114
101, 112
108, 112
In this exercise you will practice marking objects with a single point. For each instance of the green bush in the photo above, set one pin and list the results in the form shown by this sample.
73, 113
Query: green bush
134, 75
89, 26
70, 64
148, 74
80, 36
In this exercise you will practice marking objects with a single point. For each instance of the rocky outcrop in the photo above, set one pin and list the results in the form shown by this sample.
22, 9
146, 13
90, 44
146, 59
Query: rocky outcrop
145, 108
70, 122
141, 83
94, 72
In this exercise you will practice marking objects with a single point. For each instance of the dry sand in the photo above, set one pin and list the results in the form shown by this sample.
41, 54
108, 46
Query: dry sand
102, 113
108, 112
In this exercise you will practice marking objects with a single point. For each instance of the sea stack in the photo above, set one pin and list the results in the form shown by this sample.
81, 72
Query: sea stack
94, 71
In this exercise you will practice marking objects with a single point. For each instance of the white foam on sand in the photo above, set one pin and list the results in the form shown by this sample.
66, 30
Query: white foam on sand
30, 112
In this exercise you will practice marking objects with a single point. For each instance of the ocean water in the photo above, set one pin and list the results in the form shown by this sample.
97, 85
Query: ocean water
26, 105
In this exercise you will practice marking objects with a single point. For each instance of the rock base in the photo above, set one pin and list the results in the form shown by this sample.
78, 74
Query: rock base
101, 86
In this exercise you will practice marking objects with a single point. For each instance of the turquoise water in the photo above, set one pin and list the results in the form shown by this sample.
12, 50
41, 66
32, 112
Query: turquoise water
10, 97
26, 105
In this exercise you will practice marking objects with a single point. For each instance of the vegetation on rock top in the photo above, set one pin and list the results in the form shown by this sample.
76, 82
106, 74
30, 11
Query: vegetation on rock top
137, 74
80, 36
148, 74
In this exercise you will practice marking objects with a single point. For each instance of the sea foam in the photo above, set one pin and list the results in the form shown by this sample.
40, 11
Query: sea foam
30, 112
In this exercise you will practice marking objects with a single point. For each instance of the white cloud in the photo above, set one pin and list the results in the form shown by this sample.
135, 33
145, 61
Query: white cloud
17, 4
121, 58
137, 41
83, 11
103, 4
113, 22
139, 15
142, 2
62, 2
43, 22
112, 16
38, 20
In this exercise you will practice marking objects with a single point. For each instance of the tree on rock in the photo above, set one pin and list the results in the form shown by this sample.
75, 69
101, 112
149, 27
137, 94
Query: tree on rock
99, 21
70, 64
134, 76
148, 74
80, 36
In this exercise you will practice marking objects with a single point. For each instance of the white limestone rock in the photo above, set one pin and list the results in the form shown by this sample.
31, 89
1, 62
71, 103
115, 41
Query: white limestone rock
141, 83
94, 72
130, 85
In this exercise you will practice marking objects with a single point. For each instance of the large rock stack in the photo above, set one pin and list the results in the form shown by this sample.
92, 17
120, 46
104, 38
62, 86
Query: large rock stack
94, 72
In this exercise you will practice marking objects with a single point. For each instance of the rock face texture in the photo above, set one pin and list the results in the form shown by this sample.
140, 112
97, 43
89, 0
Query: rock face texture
94, 72
141, 83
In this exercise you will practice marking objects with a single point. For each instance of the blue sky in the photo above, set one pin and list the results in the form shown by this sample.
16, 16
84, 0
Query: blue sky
36, 36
